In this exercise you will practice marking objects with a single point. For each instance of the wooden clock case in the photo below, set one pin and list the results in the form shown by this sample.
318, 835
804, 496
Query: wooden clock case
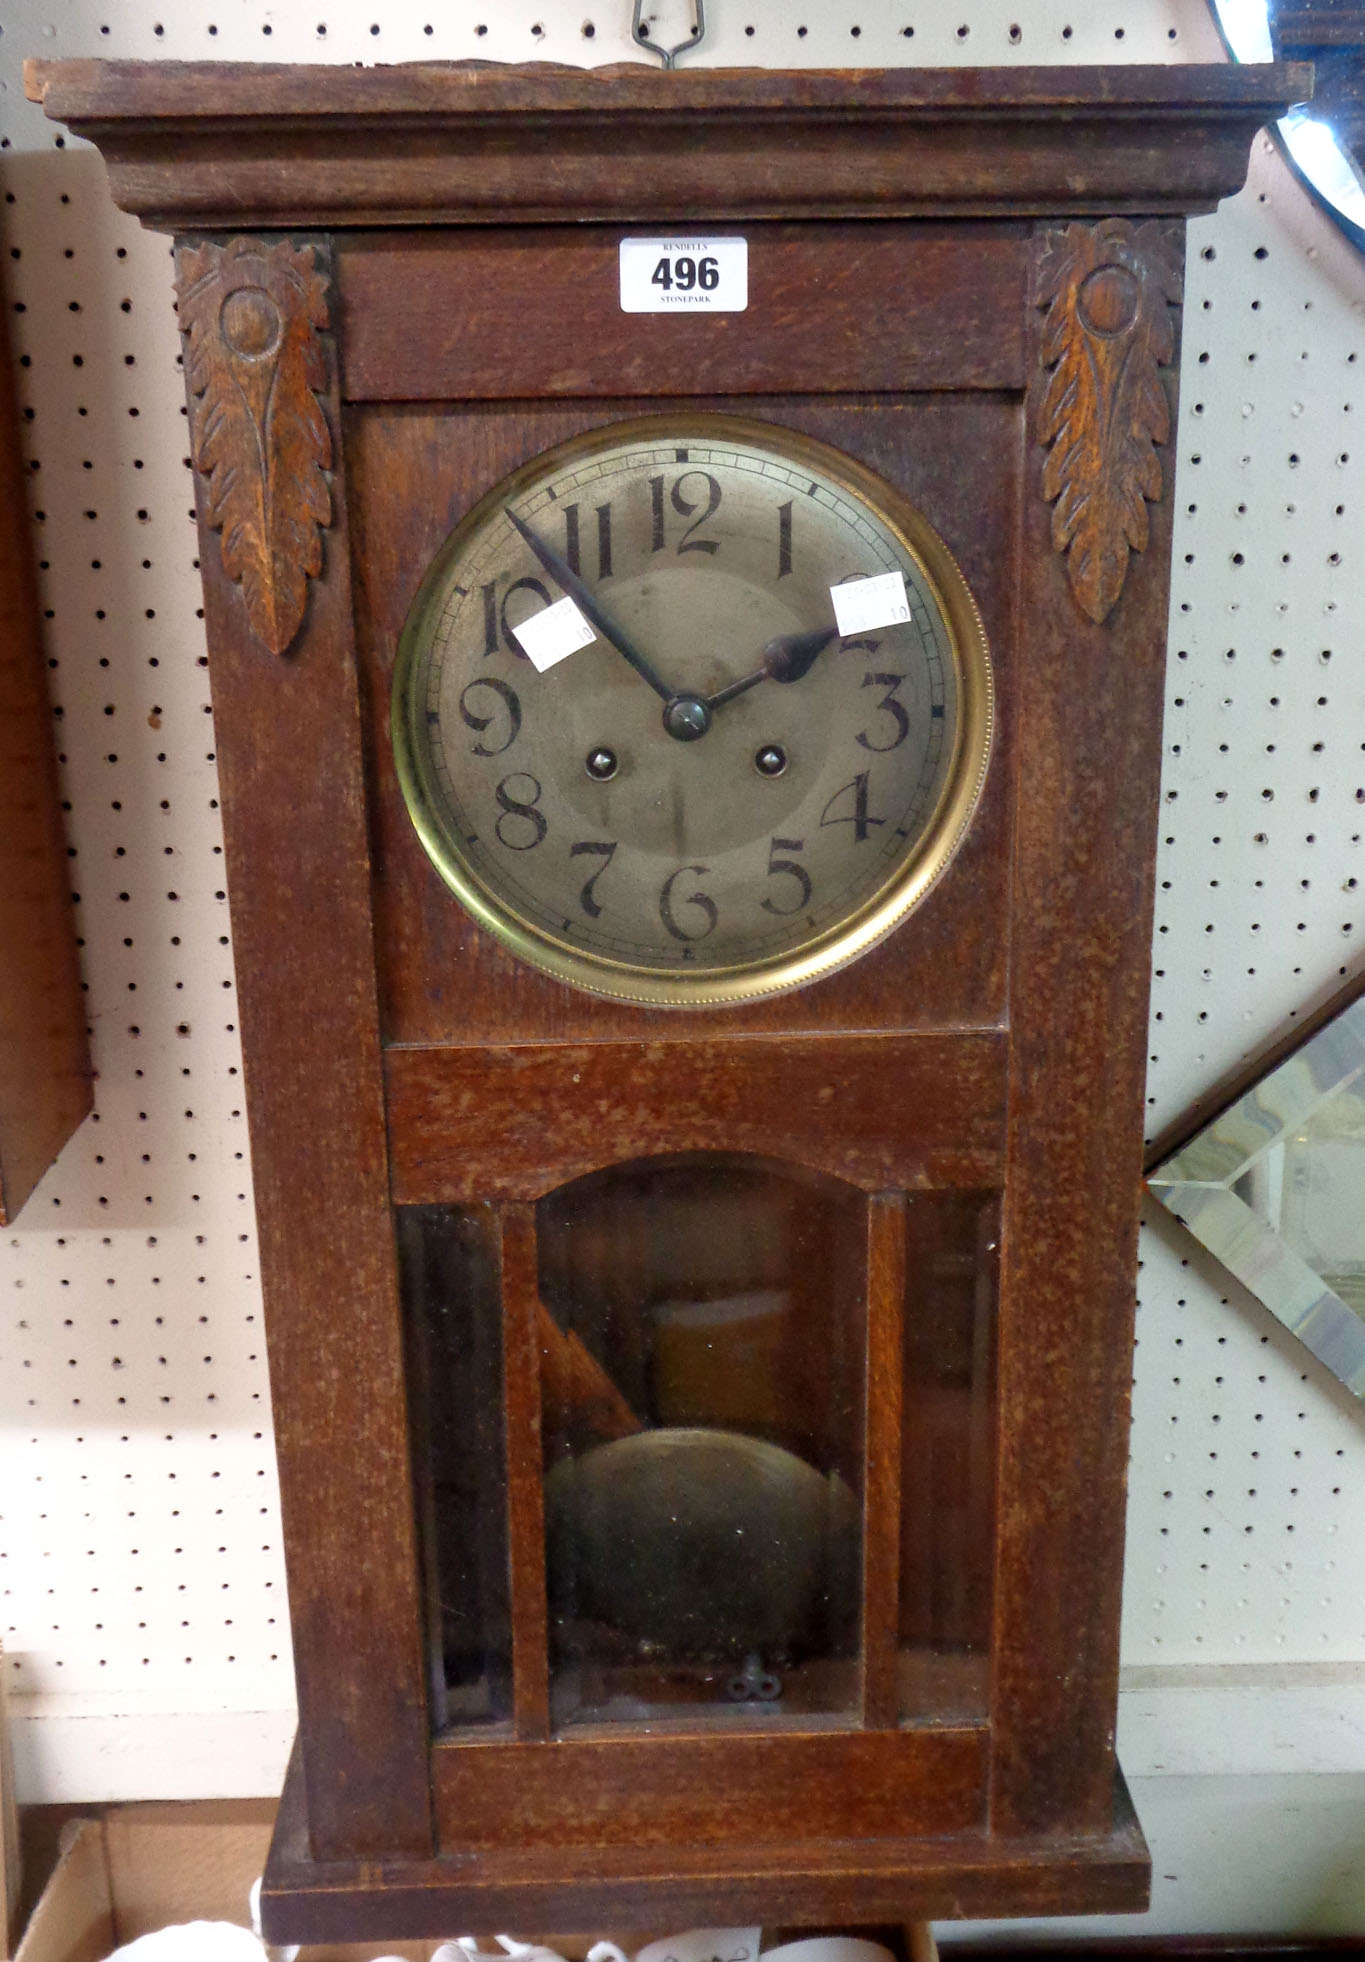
395, 286
45, 1073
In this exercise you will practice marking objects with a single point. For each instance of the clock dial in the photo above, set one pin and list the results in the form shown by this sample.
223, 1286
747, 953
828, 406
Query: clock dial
715, 794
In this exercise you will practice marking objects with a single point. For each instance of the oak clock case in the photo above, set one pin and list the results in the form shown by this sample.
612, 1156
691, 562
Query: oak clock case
702, 1422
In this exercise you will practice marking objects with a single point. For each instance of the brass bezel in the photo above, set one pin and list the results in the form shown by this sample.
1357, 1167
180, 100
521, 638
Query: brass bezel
834, 946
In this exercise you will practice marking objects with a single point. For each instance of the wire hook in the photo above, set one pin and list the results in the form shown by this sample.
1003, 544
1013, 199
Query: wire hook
668, 56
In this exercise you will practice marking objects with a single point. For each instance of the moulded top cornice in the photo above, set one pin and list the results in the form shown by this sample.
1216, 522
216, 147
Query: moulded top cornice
208, 145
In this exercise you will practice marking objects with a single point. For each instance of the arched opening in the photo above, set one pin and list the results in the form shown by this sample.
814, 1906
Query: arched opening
703, 1398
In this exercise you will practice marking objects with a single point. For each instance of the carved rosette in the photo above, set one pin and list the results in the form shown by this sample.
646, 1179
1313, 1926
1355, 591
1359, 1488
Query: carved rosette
1108, 290
252, 313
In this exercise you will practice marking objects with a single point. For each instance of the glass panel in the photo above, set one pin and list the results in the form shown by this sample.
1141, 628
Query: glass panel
702, 1379
1275, 1188
948, 1461
449, 1271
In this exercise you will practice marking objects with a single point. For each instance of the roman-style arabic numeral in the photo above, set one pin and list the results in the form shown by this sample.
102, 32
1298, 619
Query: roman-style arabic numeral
705, 905
505, 626
858, 816
685, 507
888, 705
790, 867
479, 723
573, 541
784, 539
517, 810
587, 899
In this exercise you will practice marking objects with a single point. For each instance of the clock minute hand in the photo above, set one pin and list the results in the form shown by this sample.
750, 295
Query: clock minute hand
785, 659
592, 612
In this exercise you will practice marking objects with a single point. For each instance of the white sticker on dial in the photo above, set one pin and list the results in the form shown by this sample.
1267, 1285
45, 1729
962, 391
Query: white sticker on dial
554, 634
680, 275
862, 604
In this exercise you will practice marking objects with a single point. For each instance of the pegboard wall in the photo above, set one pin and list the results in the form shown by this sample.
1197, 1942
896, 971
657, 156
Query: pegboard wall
1249, 1462
142, 1601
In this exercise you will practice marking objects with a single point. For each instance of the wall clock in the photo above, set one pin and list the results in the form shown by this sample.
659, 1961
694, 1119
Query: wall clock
698, 1251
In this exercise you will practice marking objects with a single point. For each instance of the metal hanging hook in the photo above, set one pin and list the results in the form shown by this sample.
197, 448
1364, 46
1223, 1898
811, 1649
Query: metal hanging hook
668, 56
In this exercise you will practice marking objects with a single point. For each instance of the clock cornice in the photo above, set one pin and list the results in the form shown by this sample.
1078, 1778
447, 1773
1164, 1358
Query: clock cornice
207, 145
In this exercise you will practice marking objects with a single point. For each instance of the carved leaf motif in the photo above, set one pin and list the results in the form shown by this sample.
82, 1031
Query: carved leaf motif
1107, 333
252, 313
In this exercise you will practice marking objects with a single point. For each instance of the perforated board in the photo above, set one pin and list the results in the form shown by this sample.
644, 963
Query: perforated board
141, 1590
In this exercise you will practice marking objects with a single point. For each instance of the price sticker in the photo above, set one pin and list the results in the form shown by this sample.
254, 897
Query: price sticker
862, 604
554, 634
679, 275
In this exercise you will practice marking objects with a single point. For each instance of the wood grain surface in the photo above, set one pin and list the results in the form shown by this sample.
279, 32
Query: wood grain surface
525, 1498
840, 1881
252, 313
494, 1122
884, 1454
1108, 291
645, 1790
1089, 768
45, 1072
300, 872
208, 145
909, 306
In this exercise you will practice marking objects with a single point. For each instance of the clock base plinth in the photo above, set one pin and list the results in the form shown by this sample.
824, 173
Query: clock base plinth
587, 1888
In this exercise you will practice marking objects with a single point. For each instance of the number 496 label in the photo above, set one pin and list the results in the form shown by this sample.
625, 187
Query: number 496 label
679, 275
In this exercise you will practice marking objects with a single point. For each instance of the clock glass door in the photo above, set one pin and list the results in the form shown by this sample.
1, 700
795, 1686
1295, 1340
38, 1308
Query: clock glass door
714, 1435
947, 1483
449, 1261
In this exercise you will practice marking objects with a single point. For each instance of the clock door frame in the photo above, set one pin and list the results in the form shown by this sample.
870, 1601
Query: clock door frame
391, 236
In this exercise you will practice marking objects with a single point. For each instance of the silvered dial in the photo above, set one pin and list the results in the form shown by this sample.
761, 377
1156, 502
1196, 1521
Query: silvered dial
720, 795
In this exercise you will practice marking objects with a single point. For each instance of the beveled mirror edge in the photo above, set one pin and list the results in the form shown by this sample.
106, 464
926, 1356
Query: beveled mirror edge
1195, 1185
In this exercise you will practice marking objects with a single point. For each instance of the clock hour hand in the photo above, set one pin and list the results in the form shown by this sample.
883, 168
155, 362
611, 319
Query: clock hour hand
592, 612
785, 659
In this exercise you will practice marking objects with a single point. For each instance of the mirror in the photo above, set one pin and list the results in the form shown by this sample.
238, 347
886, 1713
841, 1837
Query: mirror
1274, 1187
1324, 142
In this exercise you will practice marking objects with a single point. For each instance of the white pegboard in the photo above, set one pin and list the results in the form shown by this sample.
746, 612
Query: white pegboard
1247, 1484
764, 33
142, 1601
141, 1564
1259, 916
1248, 1480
